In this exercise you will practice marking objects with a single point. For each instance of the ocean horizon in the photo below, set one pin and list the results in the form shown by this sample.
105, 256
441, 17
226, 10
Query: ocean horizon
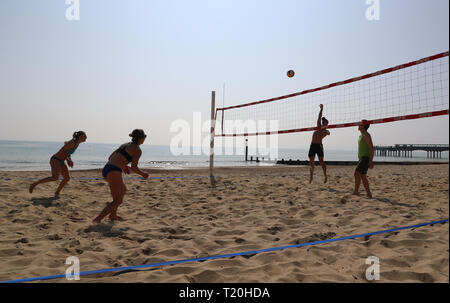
35, 156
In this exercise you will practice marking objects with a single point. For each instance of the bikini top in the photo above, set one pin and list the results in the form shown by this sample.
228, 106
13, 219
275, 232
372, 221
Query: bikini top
72, 150
121, 150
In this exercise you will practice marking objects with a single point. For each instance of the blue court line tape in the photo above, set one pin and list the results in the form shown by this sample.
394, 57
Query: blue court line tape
92, 272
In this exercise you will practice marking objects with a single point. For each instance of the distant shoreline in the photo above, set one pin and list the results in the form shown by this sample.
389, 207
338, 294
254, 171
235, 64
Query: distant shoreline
304, 162
274, 166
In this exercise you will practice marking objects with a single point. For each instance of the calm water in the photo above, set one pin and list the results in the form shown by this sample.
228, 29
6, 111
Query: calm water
24, 155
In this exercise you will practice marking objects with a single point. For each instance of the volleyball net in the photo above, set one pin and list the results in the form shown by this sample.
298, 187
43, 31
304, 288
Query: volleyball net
413, 90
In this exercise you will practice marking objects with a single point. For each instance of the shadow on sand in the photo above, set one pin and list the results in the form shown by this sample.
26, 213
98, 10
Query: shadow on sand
118, 273
394, 203
46, 202
105, 229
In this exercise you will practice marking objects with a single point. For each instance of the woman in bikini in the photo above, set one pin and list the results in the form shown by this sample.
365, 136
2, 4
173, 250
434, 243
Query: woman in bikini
112, 172
57, 162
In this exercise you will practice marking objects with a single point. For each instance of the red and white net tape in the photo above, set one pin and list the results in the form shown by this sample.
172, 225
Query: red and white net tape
377, 121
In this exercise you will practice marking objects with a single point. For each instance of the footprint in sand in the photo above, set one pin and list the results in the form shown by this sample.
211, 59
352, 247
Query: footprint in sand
173, 231
308, 214
147, 251
180, 271
397, 263
207, 276
274, 229
23, 262
54, 237
345, 199
221, 233
220, 242
170, 252
10, 252
419, 236
23, 240
404, 276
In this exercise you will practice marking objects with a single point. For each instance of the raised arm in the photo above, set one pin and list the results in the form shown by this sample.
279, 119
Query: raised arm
319, 123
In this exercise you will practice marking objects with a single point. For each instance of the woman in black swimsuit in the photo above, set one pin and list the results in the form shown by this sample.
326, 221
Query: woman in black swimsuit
112, 172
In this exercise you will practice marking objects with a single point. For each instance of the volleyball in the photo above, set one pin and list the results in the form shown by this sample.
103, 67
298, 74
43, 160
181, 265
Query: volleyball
290, 73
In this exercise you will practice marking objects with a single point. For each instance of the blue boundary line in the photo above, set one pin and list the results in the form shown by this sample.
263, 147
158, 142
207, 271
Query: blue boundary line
226, 255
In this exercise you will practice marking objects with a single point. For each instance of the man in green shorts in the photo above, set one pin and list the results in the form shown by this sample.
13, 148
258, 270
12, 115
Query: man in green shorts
317, 147
365, 155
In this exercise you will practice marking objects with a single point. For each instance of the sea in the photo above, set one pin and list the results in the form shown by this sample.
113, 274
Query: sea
35, 156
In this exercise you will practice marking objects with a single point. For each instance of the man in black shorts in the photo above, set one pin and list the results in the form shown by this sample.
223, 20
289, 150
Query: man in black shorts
317, 147
365, 156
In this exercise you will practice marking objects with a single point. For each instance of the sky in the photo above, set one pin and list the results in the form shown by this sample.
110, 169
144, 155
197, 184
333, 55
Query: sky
129, 64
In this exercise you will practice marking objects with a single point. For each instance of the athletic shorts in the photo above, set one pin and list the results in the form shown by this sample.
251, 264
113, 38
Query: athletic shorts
109, 168
316, 148
363, 165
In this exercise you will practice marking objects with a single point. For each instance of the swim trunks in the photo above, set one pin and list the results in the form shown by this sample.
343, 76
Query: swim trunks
316, 148
363, 165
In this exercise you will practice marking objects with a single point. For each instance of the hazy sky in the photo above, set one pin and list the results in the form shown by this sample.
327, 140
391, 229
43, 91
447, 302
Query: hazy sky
144, 63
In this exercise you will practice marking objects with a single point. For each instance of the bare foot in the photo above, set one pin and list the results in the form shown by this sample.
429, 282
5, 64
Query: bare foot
326, 179
310, 179
32, 186
355, 193
369, 196
56, 195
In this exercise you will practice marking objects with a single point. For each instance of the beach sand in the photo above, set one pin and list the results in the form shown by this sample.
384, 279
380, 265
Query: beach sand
251, 208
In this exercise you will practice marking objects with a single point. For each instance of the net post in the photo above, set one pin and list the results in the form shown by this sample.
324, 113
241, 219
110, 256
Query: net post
211, 151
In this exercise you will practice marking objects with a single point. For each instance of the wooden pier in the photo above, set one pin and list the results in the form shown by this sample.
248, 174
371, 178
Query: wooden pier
434, 151
354, 163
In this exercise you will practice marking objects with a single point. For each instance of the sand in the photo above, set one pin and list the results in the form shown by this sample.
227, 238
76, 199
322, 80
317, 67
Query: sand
251, 208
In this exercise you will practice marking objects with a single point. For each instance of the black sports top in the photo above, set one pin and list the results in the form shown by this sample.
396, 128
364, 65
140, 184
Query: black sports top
121, 150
